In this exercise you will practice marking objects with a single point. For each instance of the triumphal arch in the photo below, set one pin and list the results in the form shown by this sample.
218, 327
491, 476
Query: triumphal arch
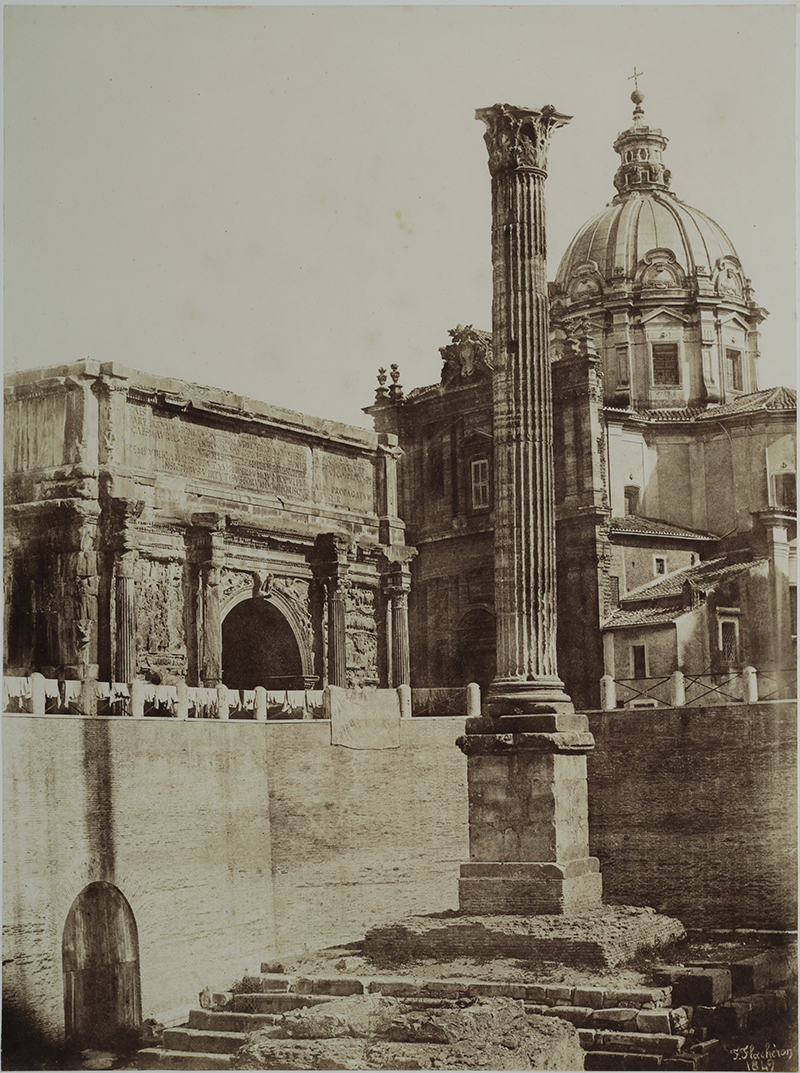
160, 530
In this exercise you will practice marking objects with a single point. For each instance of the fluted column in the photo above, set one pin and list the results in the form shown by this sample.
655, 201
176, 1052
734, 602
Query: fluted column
125, 512
125, 618
524, 517
526, 762
337, 632
397, 589
330, 561
211, 663
210, 540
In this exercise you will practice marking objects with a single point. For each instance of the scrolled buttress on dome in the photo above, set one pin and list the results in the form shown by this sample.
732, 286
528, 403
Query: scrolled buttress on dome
585, 282
728, 277
659, 269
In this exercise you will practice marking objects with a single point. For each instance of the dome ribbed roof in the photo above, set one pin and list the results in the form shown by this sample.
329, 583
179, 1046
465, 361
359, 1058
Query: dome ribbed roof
646, 218
618, 238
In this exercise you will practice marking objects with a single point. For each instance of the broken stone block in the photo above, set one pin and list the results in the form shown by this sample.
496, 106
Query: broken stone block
622, 1017
696, 986
494, 1033
680, 1021
654, 1021
360, 1016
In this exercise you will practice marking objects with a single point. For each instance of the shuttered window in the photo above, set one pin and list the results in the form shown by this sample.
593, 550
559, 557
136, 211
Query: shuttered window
733, 368
665, 364
480, 483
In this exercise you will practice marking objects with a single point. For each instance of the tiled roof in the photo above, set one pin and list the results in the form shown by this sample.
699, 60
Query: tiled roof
773, 398
705, 575
686, 413
644, 616
637, 525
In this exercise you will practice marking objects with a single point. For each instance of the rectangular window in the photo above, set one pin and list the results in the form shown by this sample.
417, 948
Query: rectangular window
729, 640
613, 591
785, 485
480, 483
665, 364
435, 469
631, 500
639, 661
733, 368
659, 565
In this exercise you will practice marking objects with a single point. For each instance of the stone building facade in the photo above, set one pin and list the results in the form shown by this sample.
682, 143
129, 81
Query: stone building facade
159, 530
666, 453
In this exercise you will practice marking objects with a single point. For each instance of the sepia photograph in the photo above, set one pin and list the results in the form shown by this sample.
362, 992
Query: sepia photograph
400, 586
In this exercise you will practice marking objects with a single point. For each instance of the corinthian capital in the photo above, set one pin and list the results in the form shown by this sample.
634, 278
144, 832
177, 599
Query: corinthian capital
519, 137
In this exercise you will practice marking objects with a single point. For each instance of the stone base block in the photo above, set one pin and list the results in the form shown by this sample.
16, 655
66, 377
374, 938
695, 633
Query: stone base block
520, 696
607, 936
524, 887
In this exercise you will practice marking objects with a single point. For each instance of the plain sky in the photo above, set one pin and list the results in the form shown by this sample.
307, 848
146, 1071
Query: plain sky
279, 200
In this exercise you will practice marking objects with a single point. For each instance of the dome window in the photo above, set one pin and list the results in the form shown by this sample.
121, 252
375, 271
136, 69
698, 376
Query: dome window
733, 368
666, 370
629, 156
632, 499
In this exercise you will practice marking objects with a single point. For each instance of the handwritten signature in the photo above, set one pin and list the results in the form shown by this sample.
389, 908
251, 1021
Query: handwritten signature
761, 1061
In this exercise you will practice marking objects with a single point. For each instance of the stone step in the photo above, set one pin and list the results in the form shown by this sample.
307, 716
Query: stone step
224, 1021
274, 1002
160, 1058
193, 1039
631, 1042
621, 1061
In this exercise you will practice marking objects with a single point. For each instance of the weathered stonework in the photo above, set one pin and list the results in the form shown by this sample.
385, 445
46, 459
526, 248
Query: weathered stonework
161, 530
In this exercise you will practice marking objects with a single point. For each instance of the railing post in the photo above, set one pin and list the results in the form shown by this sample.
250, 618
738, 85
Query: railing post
404, 696
137, 699
182, 708
608, 693
677, 689
473, 700
38, 696
223, 702
749, 685
261, 704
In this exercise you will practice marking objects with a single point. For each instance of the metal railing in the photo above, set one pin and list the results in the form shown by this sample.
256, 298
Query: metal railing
679, 690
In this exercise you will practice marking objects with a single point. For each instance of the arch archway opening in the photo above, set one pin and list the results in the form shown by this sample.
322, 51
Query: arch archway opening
100, 964
476, 648
259, 648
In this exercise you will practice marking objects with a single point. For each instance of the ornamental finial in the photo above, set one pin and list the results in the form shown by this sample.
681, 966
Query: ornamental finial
637, 96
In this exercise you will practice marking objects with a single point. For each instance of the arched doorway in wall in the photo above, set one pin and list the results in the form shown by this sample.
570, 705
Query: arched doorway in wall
100, 964
259, 648
476, 648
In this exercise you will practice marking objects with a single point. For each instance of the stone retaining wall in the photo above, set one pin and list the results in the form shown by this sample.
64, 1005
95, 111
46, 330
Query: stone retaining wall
693, 812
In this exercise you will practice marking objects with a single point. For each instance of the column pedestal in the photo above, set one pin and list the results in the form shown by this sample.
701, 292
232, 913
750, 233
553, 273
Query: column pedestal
528, 817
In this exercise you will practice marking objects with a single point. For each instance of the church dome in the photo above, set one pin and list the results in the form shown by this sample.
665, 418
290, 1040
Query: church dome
646, 238
660, 289
618, 245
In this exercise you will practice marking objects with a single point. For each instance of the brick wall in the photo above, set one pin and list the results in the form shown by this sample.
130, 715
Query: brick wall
233, 842
693, 812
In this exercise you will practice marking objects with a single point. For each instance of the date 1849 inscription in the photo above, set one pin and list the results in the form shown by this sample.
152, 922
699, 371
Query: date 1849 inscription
242, 460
